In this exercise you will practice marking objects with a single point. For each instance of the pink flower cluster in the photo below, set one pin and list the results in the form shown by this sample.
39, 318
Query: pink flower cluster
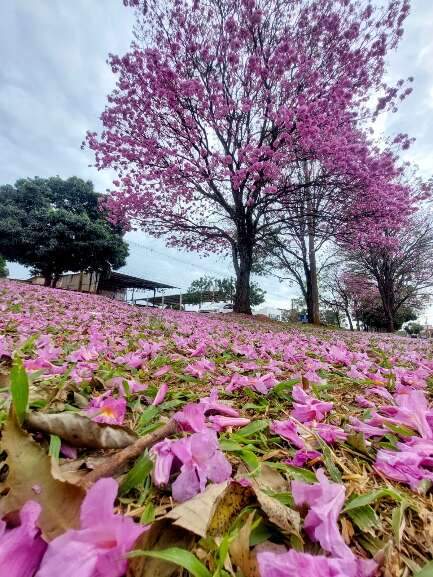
97, 548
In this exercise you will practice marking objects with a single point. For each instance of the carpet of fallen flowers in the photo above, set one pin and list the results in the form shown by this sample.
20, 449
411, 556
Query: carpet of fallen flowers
147, 442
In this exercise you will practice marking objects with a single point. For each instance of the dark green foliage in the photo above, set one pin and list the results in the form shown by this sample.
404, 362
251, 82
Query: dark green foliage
208, 288
413, 328
3, 268
55, 225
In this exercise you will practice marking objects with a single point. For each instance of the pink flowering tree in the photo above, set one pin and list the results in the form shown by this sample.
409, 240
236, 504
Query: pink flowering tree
400, 270
218, 103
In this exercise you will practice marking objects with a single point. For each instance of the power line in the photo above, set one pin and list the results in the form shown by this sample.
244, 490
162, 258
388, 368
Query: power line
190, 264
176, 259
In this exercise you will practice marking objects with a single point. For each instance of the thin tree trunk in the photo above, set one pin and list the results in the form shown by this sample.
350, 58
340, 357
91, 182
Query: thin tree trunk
47, 280
349, 319
314, 314
80, 281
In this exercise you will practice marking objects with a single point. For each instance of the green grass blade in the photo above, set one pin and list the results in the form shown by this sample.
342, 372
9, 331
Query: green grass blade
137, 475
179, 557
19, 389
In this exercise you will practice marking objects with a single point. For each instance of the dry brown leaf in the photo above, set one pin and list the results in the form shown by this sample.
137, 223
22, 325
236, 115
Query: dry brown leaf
213, 511
269, 478
33, 475
240, 552
161, 535
195, 514
285, 518
80, 431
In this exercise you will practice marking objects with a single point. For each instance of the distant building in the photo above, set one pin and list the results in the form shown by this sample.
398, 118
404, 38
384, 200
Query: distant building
276, 314
114, 285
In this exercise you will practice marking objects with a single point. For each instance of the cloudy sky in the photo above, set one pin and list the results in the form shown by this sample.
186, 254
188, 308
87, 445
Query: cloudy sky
54, 80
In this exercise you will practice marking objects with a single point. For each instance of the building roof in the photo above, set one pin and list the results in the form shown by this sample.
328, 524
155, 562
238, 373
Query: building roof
190, 298
118, 280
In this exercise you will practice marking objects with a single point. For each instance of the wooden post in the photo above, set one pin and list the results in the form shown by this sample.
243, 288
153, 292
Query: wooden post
180, 301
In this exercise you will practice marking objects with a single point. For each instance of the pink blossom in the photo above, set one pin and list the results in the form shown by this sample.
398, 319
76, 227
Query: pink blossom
22, 547
201, 460
308, 408
200, 368
288, 430
381, 392
67, 451
192, 417
330, 433
367, 430
303, 456
212, 406
406, 466
107, 409
221, 422
411, 410
160, 395
325, 501
163, 462
162, 371
99, 546
294, 564
363, 402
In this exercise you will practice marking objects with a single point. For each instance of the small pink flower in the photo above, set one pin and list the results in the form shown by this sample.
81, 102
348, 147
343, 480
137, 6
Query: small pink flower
107, 409
330, 433
301, 457
201, 461
288, 430
308, 408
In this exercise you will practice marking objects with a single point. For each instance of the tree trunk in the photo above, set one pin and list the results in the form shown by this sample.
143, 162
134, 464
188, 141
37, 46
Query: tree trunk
349, 319
312, 285
55, 280
47, 280
242, 260
387, 295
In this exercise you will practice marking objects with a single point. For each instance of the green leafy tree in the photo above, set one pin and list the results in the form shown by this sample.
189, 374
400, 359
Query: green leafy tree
208, 288
413, 328
3, 268
54, 225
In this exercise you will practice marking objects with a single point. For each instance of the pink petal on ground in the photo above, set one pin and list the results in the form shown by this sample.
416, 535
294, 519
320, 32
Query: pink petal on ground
296, 564
288, 430
191, 417
221, 422
160, 395
163, 462
22, 547
325, 501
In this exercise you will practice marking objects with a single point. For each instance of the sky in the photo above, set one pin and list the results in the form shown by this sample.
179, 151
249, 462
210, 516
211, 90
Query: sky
53, 85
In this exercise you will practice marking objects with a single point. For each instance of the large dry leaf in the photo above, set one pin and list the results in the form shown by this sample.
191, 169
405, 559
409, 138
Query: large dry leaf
161, 535
268, 478
80, 431
213, 511
285, 518
240, 552
33, 475
196, 513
